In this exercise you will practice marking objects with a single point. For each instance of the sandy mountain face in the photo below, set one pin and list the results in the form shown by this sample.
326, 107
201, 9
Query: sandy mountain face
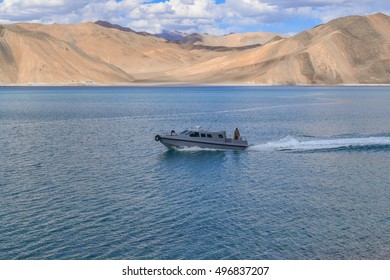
36, 57
350, 50
146, 58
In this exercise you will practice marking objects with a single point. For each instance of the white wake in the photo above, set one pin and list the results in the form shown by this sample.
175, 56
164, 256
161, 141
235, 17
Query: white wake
291, 143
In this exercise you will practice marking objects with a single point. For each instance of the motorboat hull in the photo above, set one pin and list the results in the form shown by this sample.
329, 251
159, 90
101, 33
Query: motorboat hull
214, 142
179, 143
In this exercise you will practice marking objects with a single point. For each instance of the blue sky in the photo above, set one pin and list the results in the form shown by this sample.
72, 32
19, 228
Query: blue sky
206, 16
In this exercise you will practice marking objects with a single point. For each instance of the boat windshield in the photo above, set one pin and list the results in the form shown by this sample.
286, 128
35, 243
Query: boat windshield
185, 132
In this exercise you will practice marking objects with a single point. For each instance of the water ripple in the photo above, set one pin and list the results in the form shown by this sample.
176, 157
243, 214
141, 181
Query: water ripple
81, 176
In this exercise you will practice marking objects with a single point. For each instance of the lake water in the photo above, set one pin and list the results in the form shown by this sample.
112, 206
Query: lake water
81, 176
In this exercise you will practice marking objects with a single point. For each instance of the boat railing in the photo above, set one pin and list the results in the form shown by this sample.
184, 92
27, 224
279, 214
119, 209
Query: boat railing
167, 133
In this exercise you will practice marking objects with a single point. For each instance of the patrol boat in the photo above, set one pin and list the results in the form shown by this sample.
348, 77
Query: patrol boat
201, 138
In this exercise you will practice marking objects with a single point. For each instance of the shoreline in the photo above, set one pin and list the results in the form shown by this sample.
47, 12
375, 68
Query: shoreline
183, 84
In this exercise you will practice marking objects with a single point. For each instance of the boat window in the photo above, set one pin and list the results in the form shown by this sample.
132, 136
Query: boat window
203, 135
220, 135
184, 132
194, 134
209, 136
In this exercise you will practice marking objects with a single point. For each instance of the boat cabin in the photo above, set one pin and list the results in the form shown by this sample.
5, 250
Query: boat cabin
214, 136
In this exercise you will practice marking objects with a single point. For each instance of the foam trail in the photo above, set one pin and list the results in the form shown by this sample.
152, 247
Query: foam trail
291, 143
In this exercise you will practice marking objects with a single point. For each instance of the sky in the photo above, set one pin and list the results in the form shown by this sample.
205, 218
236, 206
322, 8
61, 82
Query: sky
216, 17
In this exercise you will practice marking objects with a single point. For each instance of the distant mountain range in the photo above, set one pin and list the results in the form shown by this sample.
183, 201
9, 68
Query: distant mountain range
348, 50
172, 35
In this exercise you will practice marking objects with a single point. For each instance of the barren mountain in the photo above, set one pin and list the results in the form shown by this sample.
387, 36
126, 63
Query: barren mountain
144, 57
36, 57
349, 50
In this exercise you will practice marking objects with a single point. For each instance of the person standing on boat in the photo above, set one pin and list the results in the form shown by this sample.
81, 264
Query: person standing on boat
236, 134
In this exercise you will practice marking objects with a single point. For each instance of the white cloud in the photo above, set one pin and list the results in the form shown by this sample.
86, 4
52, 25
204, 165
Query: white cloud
185, 15
326, 10
249, 8
35, 10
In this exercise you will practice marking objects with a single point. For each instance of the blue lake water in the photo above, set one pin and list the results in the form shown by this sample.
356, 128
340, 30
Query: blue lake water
81, 176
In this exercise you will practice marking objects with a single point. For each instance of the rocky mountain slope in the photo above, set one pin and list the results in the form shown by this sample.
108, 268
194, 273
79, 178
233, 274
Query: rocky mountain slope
349, 50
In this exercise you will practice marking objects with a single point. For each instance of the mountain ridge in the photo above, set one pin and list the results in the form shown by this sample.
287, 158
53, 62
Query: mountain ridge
347, 50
